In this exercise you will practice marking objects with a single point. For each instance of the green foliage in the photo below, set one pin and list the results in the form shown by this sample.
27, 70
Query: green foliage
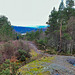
7, 61
5, 65
33, 35
61, 7
64, 28
53, 20
51, 51
69, 3
0, 58
42, 43
4, 21
61, 29
67, 36
68, 52
23, 58
22, 52
6, 31
22, 55
14, 68
8, 67
4, 69
5, 72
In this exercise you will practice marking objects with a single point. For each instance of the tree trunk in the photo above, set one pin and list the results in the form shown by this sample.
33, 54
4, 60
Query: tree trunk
61, 35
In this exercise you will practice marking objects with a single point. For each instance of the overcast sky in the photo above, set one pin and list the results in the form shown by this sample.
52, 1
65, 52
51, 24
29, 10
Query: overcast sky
27, 12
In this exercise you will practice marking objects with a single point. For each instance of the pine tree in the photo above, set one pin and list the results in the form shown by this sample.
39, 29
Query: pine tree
69, 3
61, 7
6, 31
53, 20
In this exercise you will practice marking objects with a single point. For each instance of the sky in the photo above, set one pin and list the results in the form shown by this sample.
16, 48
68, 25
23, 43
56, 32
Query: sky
28, 12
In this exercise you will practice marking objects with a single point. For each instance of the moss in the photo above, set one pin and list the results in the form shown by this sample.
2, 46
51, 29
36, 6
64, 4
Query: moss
44, 73
36, 67
33, 53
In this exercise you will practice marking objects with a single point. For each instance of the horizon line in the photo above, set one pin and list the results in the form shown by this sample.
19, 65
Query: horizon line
30, 25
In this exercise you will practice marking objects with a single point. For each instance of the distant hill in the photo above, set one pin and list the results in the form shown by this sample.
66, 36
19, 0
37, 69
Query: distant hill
22, 30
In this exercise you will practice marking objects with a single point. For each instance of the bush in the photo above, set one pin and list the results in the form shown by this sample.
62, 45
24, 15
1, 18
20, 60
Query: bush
5, 68
42, 44
67, 36
22, 55
13, 48
8, 49
1, 58
23, 46
5, 72
14, 68
51, 51
23, 58
7, 61
22, 52
5, 65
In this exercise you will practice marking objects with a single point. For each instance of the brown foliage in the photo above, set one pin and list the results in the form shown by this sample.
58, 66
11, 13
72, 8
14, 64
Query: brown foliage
13, 59
10, 49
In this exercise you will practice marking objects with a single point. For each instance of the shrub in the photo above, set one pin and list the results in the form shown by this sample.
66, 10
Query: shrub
51, 51
5, 72
13, 59
14, 68
23, 58
7, 61
8, 66
1, 58
22, 55
5, 65
22, 52
11, 48
67, 36
8, 49
42, 44
23, 46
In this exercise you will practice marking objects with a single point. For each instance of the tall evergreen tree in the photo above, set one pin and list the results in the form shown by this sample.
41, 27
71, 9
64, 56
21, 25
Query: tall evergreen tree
69, 3
6, 31
53, 20
61, 7
54, 26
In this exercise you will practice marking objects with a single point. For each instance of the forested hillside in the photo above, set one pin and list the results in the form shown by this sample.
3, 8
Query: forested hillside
62, 28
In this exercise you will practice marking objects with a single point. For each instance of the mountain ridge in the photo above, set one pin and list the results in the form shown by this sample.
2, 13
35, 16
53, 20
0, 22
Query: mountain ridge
20, 29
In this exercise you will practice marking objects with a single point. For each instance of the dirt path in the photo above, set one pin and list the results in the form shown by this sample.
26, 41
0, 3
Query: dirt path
60, 64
